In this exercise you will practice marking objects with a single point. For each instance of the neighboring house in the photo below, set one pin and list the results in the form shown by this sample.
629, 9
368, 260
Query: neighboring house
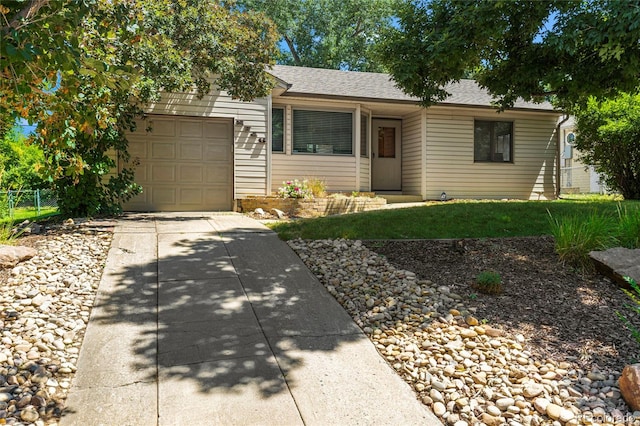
357, 131
575, 177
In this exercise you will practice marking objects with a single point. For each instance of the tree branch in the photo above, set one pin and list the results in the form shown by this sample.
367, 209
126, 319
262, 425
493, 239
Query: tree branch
292, 49
358, 29
27, 12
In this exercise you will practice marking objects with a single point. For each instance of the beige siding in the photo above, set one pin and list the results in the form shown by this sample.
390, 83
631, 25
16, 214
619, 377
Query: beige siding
450, 166
364, 174
338, 172
412, 170
576, 176
250, 156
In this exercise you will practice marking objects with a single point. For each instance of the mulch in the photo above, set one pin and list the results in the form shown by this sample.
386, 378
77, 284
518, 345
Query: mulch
563, 313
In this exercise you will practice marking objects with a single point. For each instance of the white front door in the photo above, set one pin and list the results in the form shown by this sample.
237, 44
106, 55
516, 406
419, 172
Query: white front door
386, 160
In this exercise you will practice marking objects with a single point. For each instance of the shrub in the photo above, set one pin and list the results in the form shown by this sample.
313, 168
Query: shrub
608, 139
635, 298
575, 237
295, 189
317, 186
488, 282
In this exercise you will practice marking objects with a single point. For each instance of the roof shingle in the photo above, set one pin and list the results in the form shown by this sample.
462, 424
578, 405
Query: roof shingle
317, 82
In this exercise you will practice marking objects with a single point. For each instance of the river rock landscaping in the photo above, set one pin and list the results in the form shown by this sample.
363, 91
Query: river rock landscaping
522, 358
548, 351
45, 304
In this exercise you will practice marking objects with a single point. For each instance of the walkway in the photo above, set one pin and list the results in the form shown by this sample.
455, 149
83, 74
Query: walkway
210, 319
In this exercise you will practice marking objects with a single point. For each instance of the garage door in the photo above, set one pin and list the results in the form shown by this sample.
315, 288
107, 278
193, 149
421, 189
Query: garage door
185, 164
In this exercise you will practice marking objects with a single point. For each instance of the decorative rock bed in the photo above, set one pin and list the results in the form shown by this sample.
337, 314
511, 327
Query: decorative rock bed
44, 309
468, 373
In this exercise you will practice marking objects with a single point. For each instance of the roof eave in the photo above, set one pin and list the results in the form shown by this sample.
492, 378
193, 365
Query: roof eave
403, 101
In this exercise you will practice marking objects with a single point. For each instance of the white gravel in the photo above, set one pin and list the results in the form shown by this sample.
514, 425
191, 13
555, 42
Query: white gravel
468, 373
44, 309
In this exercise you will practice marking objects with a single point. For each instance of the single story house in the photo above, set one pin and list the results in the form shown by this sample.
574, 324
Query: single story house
355, 130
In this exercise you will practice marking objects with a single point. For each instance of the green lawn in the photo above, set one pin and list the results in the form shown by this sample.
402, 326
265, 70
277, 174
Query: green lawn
454, 219
21, 214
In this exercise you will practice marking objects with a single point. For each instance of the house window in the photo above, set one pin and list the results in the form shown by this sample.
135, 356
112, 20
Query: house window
493, 141
277, 130
322, 132
364, 129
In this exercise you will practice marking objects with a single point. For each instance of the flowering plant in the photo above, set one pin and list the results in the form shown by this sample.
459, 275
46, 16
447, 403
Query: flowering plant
295, 189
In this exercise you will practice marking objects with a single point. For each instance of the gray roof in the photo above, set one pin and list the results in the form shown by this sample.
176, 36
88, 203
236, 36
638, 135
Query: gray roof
377, 87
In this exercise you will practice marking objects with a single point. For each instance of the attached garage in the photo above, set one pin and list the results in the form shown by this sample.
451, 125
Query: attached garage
184, 164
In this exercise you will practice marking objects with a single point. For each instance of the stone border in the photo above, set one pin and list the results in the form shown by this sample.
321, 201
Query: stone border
316, 207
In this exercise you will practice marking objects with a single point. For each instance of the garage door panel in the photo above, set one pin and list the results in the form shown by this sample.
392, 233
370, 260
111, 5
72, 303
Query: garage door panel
214, 130
138, 148
217, 153
190, 173
141, 173
218, 175
162, 126
191, 196
186, 164
191, 128
161, 195
163, 173
216, 197
191, 151
163, 150
140, 200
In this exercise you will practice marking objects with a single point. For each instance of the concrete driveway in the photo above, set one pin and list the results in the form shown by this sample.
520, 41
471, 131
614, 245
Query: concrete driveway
210, 319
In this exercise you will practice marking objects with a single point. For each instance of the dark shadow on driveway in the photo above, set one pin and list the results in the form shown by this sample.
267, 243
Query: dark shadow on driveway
222, 306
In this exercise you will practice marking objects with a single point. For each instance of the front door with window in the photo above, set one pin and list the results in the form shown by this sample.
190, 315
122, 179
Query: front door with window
386, 161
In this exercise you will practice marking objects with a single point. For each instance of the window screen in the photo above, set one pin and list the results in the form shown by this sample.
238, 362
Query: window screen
322, 132
364, 129
277, 130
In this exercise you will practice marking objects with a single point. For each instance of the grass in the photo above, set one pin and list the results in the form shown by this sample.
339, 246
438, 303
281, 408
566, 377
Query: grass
488, 282
455, 219
628, 228
21, 214
7, 224
7, 237
576, 236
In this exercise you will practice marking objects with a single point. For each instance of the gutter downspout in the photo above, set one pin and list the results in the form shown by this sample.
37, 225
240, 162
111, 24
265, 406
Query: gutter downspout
558, 155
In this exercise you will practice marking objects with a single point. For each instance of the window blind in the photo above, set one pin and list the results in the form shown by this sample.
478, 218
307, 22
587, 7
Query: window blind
322, 132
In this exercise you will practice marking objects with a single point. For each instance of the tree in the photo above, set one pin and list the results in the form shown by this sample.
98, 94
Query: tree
563, 50
335, 34
83, 71
609, 137
19, 162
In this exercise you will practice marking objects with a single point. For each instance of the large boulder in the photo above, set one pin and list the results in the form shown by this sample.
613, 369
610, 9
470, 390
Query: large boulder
629, 385
10, 256
617, 263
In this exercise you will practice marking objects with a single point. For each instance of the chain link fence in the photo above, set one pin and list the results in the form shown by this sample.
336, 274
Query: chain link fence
28, 200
